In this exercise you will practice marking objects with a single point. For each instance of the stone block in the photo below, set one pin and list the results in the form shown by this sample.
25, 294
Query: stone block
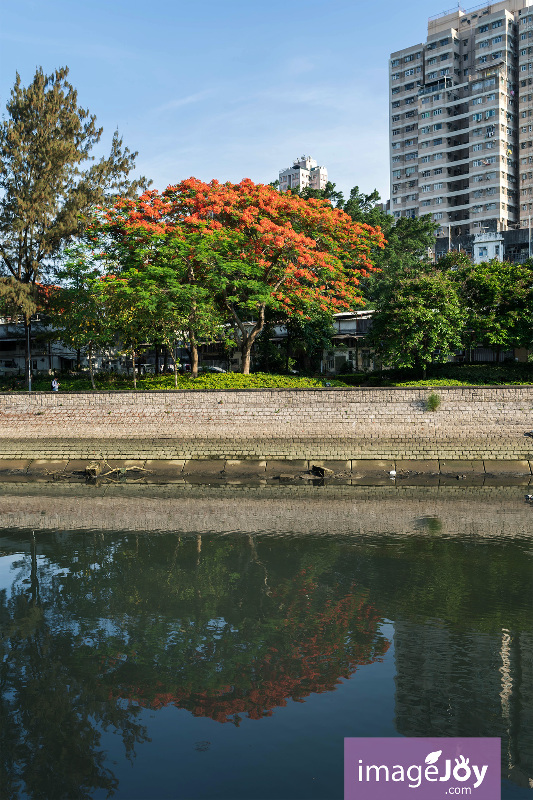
286, 466
335, 466
46, 468
426, 466
460, 467
373, 467
204, 467
164, 470
240, 468
507, 467
14, 465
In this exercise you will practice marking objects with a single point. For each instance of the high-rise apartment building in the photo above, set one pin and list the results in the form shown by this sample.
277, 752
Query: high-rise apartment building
461, 121
304, 172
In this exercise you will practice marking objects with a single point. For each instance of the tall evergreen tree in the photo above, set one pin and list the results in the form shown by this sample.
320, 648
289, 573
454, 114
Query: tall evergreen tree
46, 182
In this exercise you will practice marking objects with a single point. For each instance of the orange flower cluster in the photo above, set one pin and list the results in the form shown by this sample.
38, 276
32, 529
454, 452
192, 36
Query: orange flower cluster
304, 251
316, 644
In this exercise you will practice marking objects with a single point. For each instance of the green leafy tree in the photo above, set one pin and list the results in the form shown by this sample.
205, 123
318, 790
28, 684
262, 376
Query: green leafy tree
46, 140
329, 192
453, 260
253, 249
78, 307
498, 301
418, 321
408, 242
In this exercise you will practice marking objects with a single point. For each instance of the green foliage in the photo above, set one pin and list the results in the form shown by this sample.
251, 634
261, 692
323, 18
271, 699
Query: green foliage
78, 306
204, 382
453, 260
433, 402
418, 321
17, 298
407, 240
498, 300
45, 140
328, 193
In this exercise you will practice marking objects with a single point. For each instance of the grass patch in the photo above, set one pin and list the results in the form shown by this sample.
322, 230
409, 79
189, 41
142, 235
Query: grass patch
433, 402
204, 382
512, 374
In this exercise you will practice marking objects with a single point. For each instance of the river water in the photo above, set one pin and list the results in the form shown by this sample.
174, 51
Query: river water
219, 642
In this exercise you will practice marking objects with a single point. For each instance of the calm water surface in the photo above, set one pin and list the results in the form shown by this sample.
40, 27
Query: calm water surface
180, 665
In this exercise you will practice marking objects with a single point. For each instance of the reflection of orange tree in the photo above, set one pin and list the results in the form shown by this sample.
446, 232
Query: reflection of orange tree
305, 644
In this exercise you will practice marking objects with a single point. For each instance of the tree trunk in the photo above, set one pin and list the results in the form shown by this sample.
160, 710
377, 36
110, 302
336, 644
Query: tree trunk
156, 365
246, 351
91, 373
27, 352
165, 360
134, 372
78, 360
247, 344
175, 364
194, 353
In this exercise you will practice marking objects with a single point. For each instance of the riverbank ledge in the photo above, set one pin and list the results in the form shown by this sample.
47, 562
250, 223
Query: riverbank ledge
361, 424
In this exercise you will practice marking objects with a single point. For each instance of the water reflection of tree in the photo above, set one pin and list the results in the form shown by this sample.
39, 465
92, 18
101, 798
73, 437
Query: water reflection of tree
305, 642
53, 707
221, 627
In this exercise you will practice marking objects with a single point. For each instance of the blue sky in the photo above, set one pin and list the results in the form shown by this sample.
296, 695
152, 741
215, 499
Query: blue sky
225, 89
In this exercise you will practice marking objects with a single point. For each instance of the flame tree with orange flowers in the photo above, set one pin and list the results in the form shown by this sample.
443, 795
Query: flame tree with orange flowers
245, 248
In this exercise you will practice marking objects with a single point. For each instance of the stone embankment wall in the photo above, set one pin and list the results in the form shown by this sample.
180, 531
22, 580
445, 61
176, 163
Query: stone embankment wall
471, 423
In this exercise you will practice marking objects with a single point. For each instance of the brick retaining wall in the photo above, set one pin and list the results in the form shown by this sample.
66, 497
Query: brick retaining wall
362, 423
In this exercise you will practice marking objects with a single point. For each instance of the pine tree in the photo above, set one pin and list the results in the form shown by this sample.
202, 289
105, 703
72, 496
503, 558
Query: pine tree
47, 180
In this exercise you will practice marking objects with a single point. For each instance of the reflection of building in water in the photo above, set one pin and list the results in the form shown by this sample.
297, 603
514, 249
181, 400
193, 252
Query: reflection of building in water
467, 683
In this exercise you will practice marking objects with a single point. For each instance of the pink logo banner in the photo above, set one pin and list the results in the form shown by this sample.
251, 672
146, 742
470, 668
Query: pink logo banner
422, 768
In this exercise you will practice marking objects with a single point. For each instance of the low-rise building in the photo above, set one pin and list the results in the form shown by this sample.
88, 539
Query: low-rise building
304, 173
